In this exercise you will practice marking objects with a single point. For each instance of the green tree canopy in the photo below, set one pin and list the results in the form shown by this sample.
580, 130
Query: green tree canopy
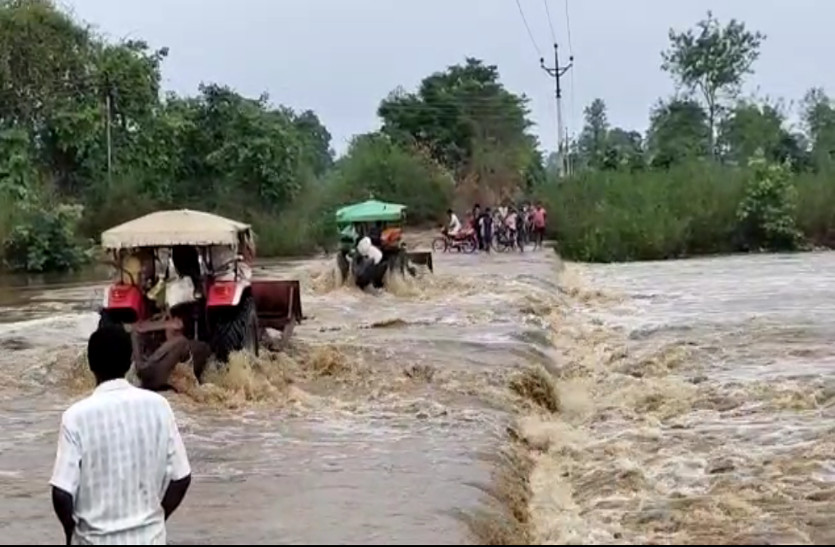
712, 60
678, 130
468, 122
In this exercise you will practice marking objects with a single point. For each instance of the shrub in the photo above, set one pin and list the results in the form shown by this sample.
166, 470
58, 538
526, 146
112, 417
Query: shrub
45, 239
767, 212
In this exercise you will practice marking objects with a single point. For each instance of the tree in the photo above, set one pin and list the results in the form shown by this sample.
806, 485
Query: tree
316, 140
758, 128
750, 127
592, 140
376, 165
624, 149
819, 118
712, 60
678, 131
468, 122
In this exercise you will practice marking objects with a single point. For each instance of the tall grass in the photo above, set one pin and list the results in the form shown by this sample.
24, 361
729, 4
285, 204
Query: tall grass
608, 216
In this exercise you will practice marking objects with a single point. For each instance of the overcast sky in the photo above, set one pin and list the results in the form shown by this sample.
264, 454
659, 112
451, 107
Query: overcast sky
340, 57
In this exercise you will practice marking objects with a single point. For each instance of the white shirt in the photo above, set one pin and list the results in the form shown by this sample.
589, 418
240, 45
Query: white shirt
510, 221
117, 452
368, 250
454, 224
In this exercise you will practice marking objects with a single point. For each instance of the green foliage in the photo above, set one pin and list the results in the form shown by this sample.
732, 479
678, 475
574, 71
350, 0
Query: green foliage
710, 175
236, 150
628, 215
712, 59
690, 209
468, 122
35, 234
602, 147
592, 141
376, 166
819, 118
767, 212
45, 239
678, 132
217, 151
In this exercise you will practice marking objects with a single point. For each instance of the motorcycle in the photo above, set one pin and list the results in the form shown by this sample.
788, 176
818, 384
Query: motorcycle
465, 241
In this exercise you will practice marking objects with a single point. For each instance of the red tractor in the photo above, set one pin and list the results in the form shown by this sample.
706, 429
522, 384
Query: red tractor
192, 271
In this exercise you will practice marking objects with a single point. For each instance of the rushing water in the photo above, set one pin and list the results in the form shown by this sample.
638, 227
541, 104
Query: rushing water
696, 405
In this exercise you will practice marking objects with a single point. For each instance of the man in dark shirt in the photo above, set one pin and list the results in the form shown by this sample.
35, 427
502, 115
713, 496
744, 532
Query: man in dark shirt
520, 230
487, 228
375, 234
477, 226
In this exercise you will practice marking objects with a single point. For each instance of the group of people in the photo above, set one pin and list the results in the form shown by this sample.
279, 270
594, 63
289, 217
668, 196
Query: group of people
517, 226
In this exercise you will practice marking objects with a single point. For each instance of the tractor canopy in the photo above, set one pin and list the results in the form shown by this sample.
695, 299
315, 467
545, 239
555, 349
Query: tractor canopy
174, 228
370, 211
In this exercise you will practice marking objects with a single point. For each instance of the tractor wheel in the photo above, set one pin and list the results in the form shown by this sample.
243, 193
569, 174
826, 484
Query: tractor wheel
237, 330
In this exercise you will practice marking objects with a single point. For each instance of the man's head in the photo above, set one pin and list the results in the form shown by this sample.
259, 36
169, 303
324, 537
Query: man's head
449, 212
109, 353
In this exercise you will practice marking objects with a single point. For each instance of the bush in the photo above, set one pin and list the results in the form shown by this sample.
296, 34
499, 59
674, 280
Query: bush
375, 166
767, 212
306, 226
607, 216
815, 211
45, 239
695, 209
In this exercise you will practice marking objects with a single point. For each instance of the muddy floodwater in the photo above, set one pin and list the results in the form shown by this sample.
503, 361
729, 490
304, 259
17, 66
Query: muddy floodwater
683, 402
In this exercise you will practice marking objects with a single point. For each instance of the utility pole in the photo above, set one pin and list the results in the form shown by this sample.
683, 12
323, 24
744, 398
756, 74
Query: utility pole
557, 72
108, 106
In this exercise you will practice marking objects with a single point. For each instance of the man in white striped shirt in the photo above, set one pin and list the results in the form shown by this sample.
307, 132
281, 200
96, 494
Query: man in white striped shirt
121, 468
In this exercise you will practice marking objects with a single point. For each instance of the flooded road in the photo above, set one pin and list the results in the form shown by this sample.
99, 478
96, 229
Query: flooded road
676, 402
700, 408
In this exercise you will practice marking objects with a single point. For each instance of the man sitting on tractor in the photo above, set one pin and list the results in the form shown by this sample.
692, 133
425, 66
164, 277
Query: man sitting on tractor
369, 265
138, 265
375, 234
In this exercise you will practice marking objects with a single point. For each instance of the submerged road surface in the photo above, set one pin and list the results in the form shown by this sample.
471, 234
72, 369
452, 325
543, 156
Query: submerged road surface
695, 406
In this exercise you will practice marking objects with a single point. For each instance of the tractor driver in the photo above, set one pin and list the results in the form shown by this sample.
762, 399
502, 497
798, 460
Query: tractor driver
186, 262
138, 265
375, 234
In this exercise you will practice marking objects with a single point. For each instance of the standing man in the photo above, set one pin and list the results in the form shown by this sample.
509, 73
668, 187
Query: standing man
121, 468
477, 226
487, 229
520, 231
539, 220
